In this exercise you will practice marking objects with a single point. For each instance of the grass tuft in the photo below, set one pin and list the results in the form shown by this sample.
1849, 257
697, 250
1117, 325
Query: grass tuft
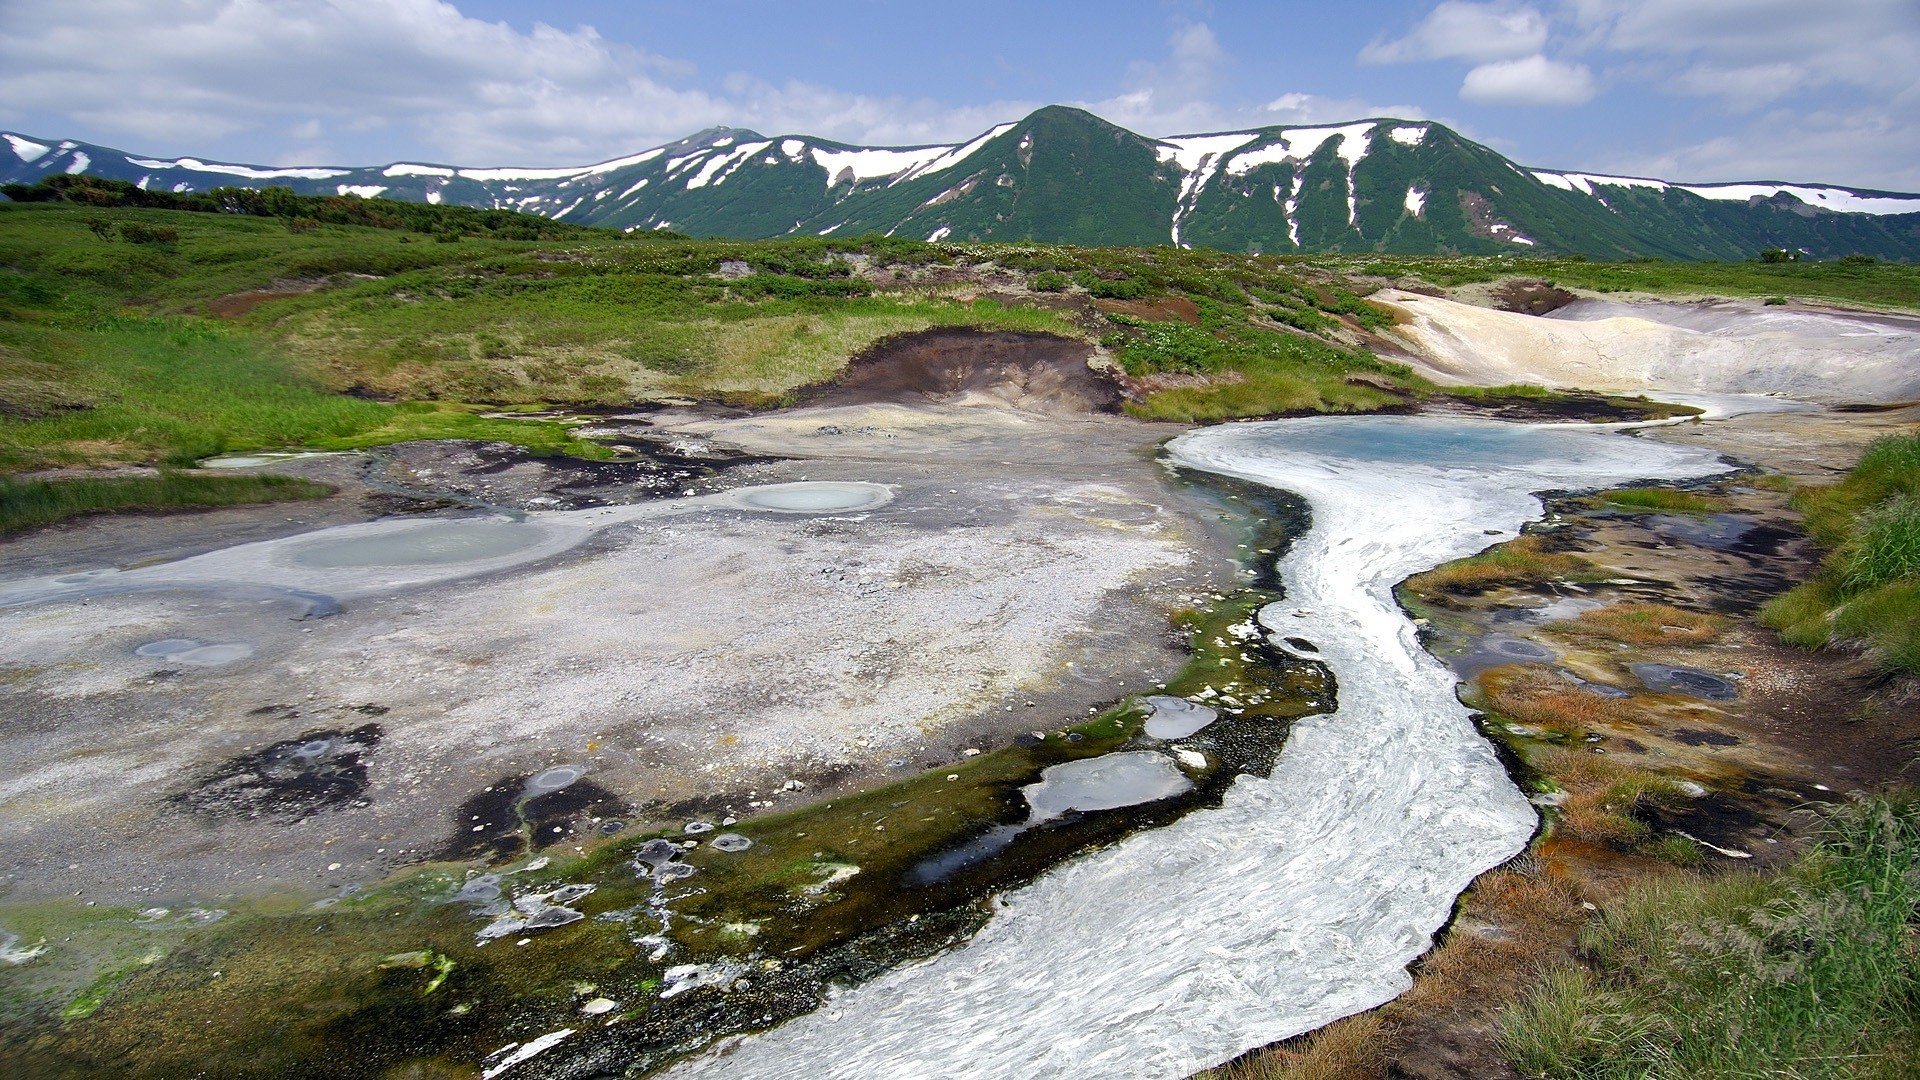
1868, 589
28, 504
1663, 500
1811, 973
1644, 624
1525, 560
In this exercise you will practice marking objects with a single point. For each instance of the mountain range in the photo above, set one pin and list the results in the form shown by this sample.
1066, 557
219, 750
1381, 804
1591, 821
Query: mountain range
1062, 175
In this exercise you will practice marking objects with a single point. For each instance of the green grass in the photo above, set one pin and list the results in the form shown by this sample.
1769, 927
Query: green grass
1809, 973
1663, 500
117, 351
1868, 587
27, 504
1524, 560
1881, 284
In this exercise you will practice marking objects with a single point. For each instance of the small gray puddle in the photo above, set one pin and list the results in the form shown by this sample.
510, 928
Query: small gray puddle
1674, 680
1497, 649
166, 647
252, 461
1107, 782
1722, 532
1175, 717
1564, 607
554, 779
438, 543
813, 497
193, 653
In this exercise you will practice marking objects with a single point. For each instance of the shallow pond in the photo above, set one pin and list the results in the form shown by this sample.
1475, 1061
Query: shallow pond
812, 497
438, 543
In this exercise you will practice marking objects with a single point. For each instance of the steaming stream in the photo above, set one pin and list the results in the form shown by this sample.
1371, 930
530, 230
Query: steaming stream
1303, 897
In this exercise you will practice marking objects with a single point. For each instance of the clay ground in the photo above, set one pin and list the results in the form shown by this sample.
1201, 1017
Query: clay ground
1021, 576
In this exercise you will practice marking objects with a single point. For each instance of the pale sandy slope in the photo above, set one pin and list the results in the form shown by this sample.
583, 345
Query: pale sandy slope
1717, 346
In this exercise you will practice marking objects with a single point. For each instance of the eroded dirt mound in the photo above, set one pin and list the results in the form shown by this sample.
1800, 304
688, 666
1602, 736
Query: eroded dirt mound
1035, 372
1530, 297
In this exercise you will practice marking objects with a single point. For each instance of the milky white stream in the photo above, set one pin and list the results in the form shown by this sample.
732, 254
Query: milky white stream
1304, 896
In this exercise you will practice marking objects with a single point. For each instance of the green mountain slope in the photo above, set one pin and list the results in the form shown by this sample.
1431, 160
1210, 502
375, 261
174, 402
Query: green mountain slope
1063, 175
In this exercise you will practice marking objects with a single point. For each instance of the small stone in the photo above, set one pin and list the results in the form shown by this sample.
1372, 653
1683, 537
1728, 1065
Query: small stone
597, 1006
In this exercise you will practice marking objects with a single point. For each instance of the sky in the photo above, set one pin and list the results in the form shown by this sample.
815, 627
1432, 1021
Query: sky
1698, 90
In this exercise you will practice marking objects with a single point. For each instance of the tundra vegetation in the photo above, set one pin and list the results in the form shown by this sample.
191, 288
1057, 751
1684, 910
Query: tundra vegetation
1868, 589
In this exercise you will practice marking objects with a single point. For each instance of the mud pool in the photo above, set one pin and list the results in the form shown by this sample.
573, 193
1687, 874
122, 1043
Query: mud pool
315, 722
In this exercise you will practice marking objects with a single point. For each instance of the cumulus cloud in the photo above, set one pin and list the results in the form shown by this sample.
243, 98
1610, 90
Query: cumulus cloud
1298, 108
1474, 32
350, 81
413, 77
1749, 53
1828, 94
1530, 80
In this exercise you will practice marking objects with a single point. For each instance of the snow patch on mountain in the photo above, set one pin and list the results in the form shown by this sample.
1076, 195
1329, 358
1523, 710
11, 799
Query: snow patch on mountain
79, 162
875, 164
1416, 199
405, 169
567, 173
245, 171
1198, 158
711, 171
365, 191
1828, 198
1300, 144
27, 149
1584, 183
958, 154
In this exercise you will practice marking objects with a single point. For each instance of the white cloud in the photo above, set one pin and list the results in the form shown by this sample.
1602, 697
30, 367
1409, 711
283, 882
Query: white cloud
285, 80
427, 79
1297, 108
1838, 83
1750, 52
1174, 94
1457, 30
1849, 147
1530, 80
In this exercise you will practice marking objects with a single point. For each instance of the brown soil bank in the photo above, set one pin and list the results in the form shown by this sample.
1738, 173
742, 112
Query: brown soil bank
1035, 372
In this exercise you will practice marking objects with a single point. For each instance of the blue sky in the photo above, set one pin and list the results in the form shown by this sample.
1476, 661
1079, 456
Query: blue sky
1687, 89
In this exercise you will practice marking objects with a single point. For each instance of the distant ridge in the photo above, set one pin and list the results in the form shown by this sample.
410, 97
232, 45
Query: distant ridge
1062, 175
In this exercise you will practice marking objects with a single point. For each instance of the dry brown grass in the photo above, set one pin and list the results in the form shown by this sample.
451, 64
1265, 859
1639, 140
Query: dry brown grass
1525, 560
1542, 699
1513, 923
1645, 624
1602, 796
1350, 1049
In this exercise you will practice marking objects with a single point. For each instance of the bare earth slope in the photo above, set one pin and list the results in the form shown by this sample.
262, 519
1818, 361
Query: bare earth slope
1721, 346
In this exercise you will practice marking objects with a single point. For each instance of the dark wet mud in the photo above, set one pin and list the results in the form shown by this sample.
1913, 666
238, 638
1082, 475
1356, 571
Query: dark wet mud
1037, 372
294, 778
